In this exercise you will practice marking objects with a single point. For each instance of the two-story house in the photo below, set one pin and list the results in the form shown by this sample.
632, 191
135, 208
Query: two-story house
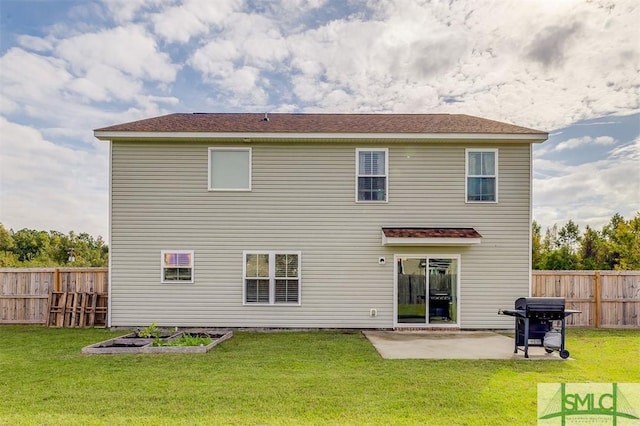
318, 220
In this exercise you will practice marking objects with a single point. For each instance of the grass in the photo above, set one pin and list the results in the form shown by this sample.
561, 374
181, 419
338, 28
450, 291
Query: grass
187, 340
284, 378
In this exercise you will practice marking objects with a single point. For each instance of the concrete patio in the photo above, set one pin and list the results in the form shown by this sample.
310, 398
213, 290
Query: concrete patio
451, 345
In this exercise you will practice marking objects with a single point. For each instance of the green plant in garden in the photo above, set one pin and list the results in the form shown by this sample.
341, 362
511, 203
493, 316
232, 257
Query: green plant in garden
152, 331
188, 340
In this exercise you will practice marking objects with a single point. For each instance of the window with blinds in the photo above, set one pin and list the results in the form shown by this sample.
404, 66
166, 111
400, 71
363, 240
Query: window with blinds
371, 174
271, 277
257, 278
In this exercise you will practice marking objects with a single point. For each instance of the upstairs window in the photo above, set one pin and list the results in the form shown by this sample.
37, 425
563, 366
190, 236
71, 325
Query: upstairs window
229, 169
371, 174
177, 266
271, 277
482, 175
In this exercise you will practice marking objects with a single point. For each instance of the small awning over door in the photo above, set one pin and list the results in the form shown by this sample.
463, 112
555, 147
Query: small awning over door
430, 237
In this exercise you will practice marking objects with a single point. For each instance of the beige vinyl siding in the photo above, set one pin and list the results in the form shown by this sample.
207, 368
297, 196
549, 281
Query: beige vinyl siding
303, 199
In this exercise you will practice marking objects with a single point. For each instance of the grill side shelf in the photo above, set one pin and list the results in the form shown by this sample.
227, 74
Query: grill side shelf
512, 312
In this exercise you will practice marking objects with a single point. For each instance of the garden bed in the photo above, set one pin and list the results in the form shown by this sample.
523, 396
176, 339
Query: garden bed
165, 343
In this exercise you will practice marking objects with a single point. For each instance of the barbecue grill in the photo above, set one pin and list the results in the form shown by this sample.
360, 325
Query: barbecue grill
439, 304
534, 324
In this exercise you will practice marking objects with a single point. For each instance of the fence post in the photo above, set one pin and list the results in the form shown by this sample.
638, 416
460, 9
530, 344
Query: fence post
598, 299
56, 280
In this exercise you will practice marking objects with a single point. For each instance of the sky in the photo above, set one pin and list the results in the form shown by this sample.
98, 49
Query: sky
571, 68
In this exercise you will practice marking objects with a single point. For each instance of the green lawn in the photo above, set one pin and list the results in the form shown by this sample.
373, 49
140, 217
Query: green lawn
284, 378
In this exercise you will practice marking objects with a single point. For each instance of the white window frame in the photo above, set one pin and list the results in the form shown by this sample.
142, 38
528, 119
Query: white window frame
225, 148
386, 174
272, 277
467, 175
191, 266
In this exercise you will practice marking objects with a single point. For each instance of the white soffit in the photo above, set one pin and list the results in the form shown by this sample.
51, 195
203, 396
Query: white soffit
408, 241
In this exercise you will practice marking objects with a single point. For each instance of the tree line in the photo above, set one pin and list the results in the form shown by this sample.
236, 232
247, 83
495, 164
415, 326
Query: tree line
31, 248
616, 246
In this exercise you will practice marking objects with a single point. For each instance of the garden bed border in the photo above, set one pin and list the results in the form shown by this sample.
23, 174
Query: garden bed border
148, 348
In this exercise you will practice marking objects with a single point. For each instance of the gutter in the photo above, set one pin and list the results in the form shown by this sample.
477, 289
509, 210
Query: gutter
291, 137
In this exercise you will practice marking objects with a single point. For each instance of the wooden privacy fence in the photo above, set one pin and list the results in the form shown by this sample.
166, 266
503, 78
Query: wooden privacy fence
77, 297
606, 298
62, 297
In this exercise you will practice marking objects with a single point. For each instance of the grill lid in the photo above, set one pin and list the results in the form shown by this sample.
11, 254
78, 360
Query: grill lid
540, 304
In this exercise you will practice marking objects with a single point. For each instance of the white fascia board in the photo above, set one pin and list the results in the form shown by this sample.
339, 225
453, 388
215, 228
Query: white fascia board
408, 241
111, 135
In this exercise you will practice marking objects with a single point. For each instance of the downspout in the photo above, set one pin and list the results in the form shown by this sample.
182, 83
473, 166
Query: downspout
530, 215
110, 238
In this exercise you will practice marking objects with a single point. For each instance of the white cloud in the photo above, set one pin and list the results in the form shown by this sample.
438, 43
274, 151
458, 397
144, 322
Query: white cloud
574, 143
103, 83
169, 100
215, 57
192, 17
44, 183
236, 61
604, 140
178, 24
128, 49
301, 5
491, 57
38, 44
250, 40
7, 105
126, 10
45, 76
548, 165
589, 193
43, 88
628, 152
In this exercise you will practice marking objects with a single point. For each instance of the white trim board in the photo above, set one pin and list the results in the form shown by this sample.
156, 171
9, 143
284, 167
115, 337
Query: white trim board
408, 241
264, 137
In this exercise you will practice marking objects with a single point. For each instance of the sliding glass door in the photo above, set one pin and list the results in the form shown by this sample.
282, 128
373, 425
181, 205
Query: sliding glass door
427, 290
